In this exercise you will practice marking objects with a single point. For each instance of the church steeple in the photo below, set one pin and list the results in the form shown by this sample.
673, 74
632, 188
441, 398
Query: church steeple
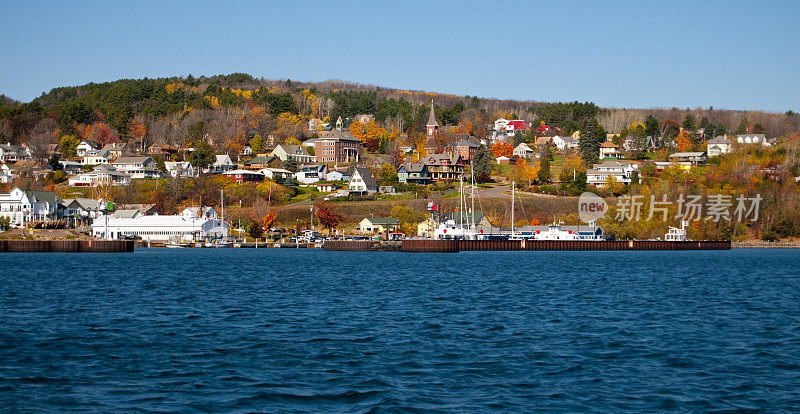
432, 125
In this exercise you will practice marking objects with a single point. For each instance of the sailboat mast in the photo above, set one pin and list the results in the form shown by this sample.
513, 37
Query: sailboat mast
472, 178
513, 185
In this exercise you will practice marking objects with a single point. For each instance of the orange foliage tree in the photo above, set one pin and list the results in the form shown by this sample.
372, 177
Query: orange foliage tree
502, 149
326, 216
370, 134
684, 141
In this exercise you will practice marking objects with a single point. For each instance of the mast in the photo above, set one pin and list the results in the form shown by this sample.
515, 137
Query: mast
513, 185
222, 209
472, 178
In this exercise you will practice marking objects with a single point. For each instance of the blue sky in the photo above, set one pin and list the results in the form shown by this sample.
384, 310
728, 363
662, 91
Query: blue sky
725, 54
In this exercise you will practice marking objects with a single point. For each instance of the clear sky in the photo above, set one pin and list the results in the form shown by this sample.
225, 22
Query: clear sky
726, 54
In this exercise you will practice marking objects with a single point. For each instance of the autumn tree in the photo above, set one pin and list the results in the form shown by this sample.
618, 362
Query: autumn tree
68, 145
388, 175
257, 144
408, 218
524, 173
327, 217
369, 134
684, 141
502, 149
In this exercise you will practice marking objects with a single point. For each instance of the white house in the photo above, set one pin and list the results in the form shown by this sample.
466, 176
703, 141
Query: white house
180, 169
362, 181
223, 163
6, 175
563, 143
718, 146
204, 212
184, 228
96, 157
337, 176
101, 175
310, 174
524, 151
13, 153
83, 209
83, 148
21, 207
621, 170
275, 173
137, 167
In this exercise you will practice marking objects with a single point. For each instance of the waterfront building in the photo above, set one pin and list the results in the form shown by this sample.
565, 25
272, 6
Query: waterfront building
137, 167
244, 176
101, 175
378, 225
181, 228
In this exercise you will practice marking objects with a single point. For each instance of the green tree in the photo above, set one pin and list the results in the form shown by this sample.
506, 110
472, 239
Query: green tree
592, 135
544, 170
758, 128
257, 144
482, 165
290, 164
688, 123
203, 155
744, 124
651, 126
68, 145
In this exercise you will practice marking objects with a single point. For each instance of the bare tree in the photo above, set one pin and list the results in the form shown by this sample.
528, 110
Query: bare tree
40, 140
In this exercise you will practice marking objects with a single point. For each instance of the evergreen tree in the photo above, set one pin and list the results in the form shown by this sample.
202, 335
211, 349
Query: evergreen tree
544, 170
688, 122
651, 126
592, 135
482, 165
203, 155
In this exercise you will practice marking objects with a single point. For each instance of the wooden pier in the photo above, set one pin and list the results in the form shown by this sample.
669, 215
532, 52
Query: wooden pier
66, 246
454, 246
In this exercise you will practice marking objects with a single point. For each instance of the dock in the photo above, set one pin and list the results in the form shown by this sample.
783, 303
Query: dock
455, 246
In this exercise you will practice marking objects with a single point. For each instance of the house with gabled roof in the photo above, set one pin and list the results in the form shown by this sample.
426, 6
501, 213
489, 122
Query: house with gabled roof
718, 146
362, 181
414, 173
297, 152
378, 225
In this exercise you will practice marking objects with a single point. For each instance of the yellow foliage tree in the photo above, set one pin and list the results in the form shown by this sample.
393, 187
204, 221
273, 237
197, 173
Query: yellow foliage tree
684, 141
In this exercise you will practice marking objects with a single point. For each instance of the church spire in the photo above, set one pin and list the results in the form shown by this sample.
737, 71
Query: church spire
432, 125
432, 117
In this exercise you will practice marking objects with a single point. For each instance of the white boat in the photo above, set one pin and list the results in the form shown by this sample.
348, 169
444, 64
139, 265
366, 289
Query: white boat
676, 234
554, 232
176, 245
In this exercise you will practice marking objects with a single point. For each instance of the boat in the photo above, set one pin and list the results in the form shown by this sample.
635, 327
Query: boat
463, 230
174, 244
676, 234
554, 232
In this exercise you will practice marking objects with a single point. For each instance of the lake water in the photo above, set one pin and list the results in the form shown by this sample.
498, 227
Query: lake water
281, 330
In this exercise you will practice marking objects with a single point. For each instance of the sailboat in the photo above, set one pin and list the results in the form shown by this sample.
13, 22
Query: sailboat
224, 242
466, 228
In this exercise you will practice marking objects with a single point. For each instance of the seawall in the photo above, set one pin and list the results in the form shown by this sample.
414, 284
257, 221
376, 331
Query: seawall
454, 246
66, 246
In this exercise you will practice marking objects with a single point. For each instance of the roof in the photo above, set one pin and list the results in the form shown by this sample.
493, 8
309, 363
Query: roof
366, 175
609, 144
338, 135
612, 164
131, 160
45, 196
143, 208
294, 149
465, 140
383, 221
441, 159
432, 117
260, 160
518, 124
222, 158
687, 154
126, 213
84, 203
414, 167
523, 146
240, 171
762, 136
542, 140
719, 140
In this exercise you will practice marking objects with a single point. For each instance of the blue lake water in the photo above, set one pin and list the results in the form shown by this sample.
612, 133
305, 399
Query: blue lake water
280, 330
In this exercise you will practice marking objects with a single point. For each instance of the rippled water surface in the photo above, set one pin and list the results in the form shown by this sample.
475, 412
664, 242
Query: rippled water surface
282, 330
